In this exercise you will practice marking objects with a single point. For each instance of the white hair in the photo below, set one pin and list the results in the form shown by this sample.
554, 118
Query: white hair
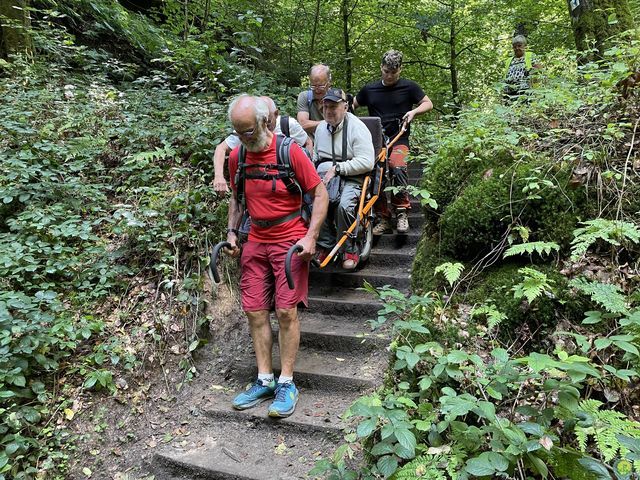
519, 39
320, 68
260, 107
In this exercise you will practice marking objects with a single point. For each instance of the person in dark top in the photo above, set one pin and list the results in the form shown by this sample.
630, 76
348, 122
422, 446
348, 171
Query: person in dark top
392, 99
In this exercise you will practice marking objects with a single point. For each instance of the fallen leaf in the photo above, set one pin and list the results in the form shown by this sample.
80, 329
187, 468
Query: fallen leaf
281, 449
546, 442
68, 413
439, 450
87, 472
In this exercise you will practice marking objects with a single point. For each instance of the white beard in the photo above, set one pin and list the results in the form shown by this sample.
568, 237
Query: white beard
259, 143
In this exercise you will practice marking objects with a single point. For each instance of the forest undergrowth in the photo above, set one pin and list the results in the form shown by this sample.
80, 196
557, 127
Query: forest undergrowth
517, 354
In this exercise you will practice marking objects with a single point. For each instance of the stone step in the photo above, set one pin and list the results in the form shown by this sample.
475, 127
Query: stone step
396, 241
353, 305
241, 450
389, 257
376, 276
415, 204
330, 332
316, 411
322, 370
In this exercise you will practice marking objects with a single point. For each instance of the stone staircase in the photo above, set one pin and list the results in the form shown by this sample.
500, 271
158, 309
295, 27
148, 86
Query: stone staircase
339, 360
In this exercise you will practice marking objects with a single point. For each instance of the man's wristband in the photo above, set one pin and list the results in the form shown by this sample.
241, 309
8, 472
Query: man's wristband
232, 230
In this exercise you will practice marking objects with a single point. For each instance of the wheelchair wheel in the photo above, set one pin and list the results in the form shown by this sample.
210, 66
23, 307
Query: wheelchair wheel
365, 242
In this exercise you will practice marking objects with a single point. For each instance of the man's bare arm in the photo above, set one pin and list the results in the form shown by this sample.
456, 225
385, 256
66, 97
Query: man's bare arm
308, 124
219, 182
423, 106
233, 220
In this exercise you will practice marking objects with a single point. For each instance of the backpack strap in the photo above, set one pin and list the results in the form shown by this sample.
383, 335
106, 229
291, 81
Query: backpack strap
284, 125
241, 176
345, 124
283, 156
285, 173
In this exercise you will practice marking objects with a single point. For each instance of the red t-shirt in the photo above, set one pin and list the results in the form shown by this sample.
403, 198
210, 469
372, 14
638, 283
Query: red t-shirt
265, 204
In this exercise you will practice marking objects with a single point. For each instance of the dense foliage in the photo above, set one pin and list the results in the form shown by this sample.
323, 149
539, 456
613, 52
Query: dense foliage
104, 195
108, 119
518, 354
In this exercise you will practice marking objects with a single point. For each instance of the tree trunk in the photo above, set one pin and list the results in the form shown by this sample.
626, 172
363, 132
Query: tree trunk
347, 47
15, 24
205, 20
314, 31
590, 21
453, 67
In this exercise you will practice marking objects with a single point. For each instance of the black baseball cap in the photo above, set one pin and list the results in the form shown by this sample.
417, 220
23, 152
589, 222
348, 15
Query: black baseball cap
335, 95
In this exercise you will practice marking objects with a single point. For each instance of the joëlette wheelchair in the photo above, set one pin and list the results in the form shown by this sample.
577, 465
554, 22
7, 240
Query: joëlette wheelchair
361, 230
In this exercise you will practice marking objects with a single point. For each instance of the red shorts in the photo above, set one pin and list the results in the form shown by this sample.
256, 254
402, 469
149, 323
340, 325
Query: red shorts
263, 283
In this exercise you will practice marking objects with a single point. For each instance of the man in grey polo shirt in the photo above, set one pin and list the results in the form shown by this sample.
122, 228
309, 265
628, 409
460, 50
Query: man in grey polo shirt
310, 101
350, 166
296, 132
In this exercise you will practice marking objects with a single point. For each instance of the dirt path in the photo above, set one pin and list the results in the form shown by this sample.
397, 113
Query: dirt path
339, 360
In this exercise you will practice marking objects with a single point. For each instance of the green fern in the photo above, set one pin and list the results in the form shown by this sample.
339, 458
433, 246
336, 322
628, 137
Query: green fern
451, 271
606, 295
610, 231
603, 426
535, 283
493, 315
158, 154
542, 248
422, 468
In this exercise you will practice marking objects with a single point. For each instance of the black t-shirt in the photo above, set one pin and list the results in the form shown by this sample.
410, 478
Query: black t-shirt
390, 103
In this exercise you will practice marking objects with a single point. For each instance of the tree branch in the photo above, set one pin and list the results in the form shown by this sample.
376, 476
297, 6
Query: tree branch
460, 52
428, 64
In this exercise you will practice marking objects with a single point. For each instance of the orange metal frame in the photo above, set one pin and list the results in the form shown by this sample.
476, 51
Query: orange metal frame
364, 209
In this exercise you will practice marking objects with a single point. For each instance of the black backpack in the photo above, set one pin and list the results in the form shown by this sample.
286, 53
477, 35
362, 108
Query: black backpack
284, 125
284, 172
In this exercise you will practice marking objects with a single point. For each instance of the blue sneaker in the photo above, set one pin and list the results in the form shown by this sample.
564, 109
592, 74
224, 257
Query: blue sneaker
285, 402
255, 394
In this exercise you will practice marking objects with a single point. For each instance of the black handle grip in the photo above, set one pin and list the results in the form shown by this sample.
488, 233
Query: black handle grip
214, 259
287, 264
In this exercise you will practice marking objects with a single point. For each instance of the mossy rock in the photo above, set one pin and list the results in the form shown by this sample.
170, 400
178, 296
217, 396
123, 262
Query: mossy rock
531, 194
428, 257
456, 168
495, 287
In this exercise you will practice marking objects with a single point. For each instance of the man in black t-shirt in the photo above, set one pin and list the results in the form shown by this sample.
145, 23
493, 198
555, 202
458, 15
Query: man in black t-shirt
392, 99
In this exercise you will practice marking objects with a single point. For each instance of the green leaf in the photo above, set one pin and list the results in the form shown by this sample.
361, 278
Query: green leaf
595, 467
366, 428
412, 359
451, 271
627, 347
602, 343
387, 465
382, 448
542, 248
538, 465
406, 438
592, 317
480, 466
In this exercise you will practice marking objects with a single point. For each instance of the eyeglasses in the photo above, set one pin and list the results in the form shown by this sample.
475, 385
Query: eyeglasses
319, 87
246, 133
